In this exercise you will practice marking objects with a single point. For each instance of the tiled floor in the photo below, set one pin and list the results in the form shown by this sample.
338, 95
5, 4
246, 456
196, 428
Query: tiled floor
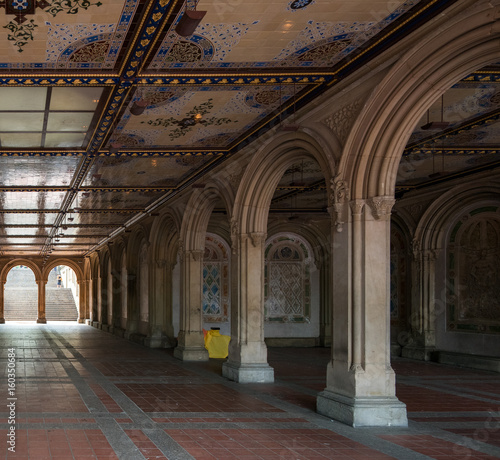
85, 394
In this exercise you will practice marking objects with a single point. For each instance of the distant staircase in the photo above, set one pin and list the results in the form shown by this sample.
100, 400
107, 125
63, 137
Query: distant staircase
21, 298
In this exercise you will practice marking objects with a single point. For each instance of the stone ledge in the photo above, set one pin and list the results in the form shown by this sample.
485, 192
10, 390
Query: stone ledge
248, 373
302, 342
485, 363
362, 411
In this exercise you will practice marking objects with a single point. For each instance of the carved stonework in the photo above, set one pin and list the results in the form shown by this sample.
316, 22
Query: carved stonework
257, 238
234, 235
234, 179
161, 263
415, 247
357, 206
181, 251
339, 198
196, 254
341, 121
381, 206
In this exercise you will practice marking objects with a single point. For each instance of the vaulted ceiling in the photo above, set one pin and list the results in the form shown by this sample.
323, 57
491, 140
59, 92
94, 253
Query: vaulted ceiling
76, 165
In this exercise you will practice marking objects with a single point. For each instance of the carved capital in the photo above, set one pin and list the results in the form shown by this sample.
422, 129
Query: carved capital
180, 250
381, 206
357, 206
196, 254
161, 263
415, 247
257, 238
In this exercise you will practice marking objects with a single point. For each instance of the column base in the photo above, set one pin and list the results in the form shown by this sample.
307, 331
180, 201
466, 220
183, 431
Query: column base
191, 354
419, 352
2, 320
362, 411
81, 320
41, 321
248, 373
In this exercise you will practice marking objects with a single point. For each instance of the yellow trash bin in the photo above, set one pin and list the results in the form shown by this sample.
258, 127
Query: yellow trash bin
216, 344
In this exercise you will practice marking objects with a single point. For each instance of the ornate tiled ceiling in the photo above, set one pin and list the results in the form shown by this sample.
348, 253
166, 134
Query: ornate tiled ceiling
76, 165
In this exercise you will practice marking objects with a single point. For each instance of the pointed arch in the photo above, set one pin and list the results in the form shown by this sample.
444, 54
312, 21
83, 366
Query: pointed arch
264, 172
445, 55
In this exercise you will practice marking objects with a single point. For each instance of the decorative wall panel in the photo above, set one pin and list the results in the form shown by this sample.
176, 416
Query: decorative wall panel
287, 288
473, 275
215, 280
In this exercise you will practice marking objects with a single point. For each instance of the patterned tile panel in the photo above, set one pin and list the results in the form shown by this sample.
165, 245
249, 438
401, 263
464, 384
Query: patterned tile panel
201, 116
278, 33
71, 34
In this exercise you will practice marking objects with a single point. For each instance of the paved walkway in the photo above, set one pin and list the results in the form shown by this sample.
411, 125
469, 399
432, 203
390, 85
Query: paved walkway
85, 394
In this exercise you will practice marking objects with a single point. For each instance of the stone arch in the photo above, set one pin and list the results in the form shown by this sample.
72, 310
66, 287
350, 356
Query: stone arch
138, 239
264, 172
291, 312
39, 281
79, 272
431, 293
63, 261
117, 252
14, 263
432, 228
94, 264
198, 212
192, 243
217, 256
105, 292
445, 55
164, 311
320, 245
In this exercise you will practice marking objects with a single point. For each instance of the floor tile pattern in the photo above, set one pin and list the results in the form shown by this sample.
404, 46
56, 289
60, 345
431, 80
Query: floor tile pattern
84, 394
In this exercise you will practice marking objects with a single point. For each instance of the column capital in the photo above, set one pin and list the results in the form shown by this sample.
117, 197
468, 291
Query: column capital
195, 254
357, 206
257, 238
381, 206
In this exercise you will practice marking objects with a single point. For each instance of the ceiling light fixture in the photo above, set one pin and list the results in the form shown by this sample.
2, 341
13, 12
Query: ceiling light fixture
138, 107
189, 22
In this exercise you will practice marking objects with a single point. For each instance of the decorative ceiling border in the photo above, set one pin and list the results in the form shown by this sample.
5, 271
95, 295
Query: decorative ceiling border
488, 76
62, 80
454, 151
285, 78
164, 153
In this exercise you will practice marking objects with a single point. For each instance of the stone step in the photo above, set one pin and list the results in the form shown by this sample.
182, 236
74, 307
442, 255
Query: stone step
21, 304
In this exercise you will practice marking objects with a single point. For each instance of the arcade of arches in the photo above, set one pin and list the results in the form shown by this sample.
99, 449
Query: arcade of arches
352, 228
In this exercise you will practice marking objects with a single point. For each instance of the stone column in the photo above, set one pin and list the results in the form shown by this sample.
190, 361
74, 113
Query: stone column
2, 302
326, 303
103, 294
191, 343
132, 307
247, 361
422, 340
41, 302
160, 318
360, 381
83, 301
